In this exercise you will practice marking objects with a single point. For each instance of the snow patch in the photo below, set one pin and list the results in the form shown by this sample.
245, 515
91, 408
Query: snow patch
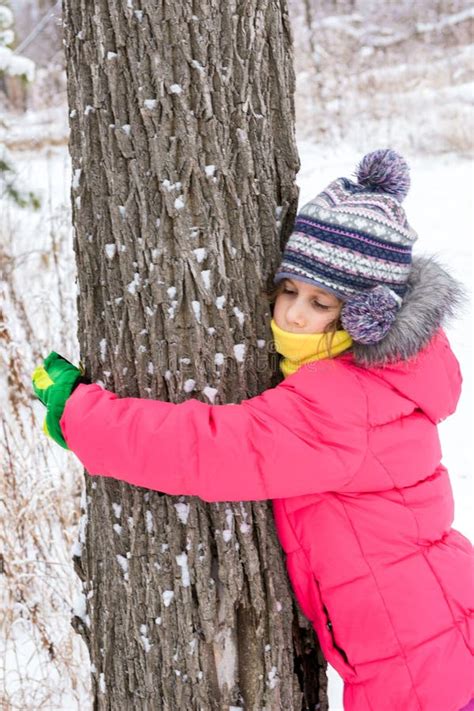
167, 596
102, 684
272, 678
197, 65
200, 253
189, 385
206, 278
76, 548
210, 393
239, 352
79, 609
110, 250
182, 561
172, 309
182, 511
103, 349
244, 526
123, 563
149, 521
133, 286
144, 638
15, 65
227, 532
196, 306
76, 178
240, 315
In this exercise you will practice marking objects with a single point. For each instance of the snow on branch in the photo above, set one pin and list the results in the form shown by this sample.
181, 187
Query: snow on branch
421, 28
16, 66
11, 63
467, 14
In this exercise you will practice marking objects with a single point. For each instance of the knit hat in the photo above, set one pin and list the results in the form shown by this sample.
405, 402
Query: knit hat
353, 240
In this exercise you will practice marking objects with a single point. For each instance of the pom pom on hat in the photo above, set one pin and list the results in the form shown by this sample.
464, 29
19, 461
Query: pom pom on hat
367, 317
384, 171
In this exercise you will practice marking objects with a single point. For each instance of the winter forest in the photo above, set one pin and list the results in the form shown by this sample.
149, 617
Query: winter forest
152, 160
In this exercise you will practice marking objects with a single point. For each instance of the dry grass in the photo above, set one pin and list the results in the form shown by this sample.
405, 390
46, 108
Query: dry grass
415, 93
43, 663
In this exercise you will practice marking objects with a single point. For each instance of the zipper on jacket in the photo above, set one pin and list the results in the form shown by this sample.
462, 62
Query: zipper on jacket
331, 632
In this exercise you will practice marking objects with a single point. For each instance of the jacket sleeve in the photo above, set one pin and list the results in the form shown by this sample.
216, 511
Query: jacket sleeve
276, 445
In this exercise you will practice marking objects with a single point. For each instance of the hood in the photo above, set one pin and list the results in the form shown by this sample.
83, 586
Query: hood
431, 379
415, 357
433, 297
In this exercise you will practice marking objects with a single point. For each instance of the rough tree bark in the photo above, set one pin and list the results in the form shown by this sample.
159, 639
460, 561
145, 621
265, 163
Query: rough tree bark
184, 163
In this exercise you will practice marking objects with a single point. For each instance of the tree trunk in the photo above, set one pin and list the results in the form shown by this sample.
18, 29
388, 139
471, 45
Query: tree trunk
184, 163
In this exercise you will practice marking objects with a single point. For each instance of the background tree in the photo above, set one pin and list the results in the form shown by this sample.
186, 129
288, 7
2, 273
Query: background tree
15, 71
184, 162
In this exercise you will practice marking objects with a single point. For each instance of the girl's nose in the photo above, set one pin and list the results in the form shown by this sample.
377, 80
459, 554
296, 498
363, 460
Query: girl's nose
295, 315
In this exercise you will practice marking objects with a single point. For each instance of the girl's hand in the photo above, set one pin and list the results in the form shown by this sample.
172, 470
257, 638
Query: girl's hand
53, 383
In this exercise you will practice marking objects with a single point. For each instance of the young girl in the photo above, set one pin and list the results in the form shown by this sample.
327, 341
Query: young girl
346, 446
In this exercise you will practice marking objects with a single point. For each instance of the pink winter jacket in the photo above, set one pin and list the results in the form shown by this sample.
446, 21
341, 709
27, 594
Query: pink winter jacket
363, 507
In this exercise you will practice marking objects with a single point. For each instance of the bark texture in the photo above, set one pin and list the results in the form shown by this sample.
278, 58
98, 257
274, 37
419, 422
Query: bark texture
184, 163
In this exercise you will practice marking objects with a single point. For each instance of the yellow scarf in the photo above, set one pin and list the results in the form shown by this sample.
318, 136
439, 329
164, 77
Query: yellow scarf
298, 349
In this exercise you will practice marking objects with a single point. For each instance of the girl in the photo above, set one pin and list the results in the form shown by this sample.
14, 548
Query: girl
346, 446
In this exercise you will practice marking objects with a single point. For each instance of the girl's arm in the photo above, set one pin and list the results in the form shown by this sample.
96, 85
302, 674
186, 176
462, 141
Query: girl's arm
281, 443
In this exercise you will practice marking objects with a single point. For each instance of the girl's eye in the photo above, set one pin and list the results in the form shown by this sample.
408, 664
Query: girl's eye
287, 291
318, 305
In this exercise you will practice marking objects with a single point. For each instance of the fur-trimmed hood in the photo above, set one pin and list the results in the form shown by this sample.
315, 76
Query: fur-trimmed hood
432, 298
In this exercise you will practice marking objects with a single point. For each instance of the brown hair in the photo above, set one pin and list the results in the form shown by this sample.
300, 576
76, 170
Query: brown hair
275, 290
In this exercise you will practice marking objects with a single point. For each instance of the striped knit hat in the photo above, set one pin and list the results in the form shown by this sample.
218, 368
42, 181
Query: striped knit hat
353, 240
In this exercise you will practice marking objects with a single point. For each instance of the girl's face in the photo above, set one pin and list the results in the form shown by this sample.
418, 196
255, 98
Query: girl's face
303, 308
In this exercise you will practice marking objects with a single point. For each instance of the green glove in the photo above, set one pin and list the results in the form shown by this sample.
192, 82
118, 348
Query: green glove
53, 383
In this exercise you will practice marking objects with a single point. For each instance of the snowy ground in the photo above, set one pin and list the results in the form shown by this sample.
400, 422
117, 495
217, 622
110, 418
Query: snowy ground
438, 206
